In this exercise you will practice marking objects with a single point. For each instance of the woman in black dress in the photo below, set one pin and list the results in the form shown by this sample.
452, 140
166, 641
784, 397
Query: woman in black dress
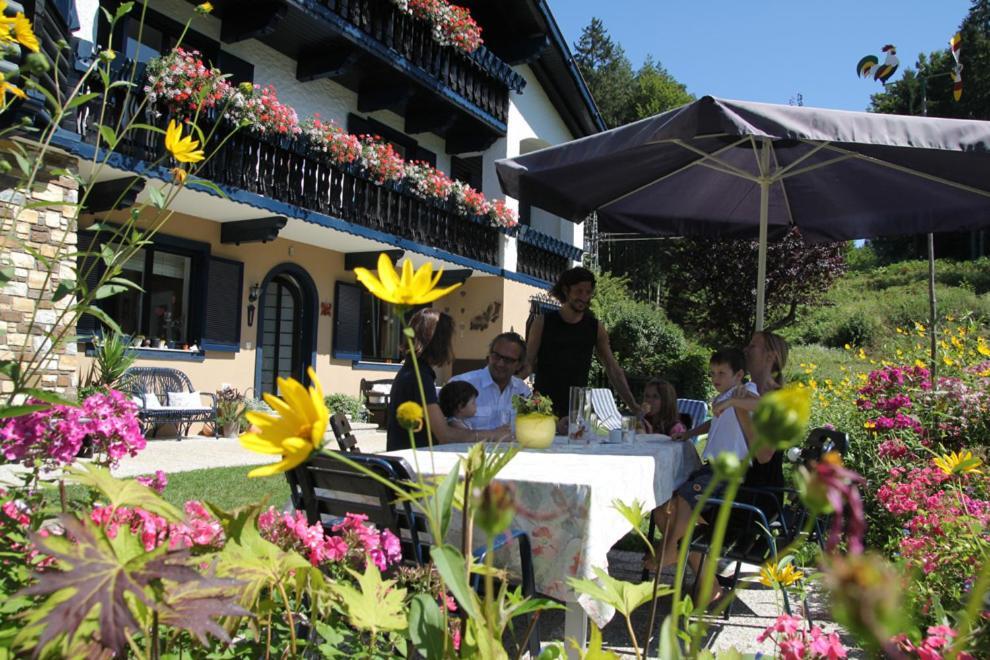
433, 334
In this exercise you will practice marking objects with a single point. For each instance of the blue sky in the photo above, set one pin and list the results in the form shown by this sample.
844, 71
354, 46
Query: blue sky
770, 50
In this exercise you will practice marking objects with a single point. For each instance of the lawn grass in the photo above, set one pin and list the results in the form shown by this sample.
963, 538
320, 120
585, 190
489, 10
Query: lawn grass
226, 487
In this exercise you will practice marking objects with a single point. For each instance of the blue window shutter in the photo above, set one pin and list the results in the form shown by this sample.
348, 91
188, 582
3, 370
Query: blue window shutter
221, 300
347, 321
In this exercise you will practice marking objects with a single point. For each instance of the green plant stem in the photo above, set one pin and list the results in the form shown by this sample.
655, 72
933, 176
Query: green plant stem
656, 579
490, 584
288, 614
974, 606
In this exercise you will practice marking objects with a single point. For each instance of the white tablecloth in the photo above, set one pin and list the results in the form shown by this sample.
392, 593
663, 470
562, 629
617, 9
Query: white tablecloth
564, 500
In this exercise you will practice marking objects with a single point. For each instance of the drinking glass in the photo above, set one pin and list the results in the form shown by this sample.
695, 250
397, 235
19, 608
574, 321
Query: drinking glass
629, 429
577, 421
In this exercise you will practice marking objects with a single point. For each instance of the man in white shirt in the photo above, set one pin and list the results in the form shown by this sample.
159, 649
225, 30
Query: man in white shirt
497, 383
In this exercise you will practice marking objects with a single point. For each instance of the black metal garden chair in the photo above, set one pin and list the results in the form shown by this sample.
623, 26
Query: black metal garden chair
327, 489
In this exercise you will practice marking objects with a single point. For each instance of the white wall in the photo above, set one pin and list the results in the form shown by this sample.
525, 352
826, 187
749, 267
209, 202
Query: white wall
533, 120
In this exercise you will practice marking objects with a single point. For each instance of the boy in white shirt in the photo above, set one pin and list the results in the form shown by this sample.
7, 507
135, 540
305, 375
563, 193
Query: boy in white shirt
727, 368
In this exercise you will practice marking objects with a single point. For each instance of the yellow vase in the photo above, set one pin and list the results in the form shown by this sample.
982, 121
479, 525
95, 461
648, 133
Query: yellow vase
535, 431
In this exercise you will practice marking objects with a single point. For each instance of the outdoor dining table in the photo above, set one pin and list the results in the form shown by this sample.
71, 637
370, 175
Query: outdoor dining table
564, 500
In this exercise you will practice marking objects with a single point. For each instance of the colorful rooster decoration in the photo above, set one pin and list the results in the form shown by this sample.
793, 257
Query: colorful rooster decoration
955, 44
869, 65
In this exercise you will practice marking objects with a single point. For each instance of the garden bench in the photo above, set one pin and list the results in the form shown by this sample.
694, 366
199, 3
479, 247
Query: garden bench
376, 397
166, 396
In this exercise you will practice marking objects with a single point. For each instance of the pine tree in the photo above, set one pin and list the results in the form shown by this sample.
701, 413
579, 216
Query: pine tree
607, 70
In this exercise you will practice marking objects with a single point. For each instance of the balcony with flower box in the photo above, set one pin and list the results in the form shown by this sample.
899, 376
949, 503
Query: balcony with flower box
392, 58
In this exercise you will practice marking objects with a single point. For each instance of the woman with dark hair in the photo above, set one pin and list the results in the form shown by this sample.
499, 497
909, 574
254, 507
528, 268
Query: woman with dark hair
766, 357
433, 334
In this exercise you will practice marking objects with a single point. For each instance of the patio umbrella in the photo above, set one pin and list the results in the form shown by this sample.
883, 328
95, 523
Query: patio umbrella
736, 169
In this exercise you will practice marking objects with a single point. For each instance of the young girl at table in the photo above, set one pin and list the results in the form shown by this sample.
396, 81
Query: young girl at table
458, 401
659, 409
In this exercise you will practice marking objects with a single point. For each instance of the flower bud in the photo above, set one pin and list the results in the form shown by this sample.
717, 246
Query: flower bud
35, 64
781, 419
107, 56
410, 416
495, 508
246, 88
727, 465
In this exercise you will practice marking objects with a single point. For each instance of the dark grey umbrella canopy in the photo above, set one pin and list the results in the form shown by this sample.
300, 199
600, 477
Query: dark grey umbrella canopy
836, 175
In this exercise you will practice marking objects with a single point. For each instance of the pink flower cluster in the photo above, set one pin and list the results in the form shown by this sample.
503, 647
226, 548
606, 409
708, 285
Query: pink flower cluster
113, 426
933, 514
894, 449
199, 529
450, 25
342, 147
182, 81
426, 181
14, 523
53, 437
157, 483
796, 643
263, 111
260, 108
885, 393
380, 160
354, 541
933, 646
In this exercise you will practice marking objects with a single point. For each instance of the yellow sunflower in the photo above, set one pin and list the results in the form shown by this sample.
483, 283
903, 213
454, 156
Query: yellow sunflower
413, 288
183, 149
8, 87
23, 33
294, 431
958, 463
772, 575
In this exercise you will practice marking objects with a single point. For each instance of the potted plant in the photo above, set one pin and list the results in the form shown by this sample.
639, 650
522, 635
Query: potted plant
230, 408
535, 421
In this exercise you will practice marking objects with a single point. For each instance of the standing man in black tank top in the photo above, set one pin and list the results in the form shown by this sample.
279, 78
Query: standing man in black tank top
560, 344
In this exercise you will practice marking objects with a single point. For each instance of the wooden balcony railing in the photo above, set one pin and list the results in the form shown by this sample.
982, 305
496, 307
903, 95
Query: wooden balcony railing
291, 172
480, 77
542, 256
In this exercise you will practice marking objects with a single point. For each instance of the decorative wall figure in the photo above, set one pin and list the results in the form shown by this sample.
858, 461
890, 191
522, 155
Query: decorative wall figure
326, 308
487, 317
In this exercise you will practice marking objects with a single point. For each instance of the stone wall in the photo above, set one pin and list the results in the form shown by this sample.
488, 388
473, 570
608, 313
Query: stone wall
27, 312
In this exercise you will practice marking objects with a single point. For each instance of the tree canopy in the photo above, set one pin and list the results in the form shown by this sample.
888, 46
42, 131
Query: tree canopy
623, 95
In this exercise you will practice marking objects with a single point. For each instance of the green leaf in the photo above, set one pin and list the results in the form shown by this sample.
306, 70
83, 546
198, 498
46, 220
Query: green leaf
6, 274
98, 575
123, 492
595, 651
64, 288
333, 641
109, 135
156, 196
108, 290
204, 183
79, 100
376, 605
17, 411
48, 397
669, 648
249, 557
450, 564
124, 9
426, 626
23, 163
624, 596
445, 497
634, 513
102, 316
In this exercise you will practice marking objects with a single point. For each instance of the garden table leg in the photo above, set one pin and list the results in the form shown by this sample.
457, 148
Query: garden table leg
575, 627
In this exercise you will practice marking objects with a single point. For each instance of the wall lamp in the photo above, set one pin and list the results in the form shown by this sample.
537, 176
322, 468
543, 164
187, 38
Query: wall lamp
253, 294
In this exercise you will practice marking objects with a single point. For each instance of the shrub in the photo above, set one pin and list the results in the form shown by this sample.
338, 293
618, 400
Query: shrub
351, 406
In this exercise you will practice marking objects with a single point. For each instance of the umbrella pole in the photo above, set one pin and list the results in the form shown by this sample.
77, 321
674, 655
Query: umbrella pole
761, 267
